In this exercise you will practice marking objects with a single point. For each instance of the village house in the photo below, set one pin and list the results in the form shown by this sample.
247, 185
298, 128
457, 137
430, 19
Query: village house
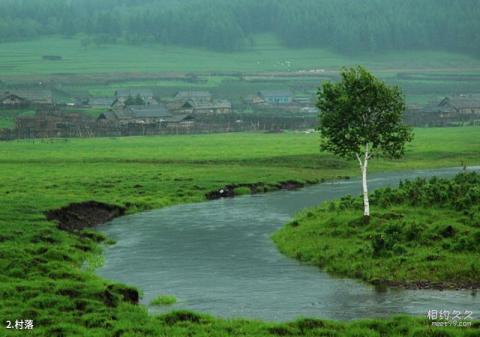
17, 98
207, 108
253, 100
450, 110
136, 114
179, 121
145, 114
12, 100
439, 111
461, 104
276, 96
121, 95
197, 96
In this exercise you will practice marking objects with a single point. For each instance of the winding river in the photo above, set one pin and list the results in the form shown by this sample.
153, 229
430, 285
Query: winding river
217, 257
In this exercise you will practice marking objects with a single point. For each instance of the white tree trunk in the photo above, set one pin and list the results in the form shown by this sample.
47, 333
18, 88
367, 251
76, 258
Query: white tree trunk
364, 169
366, 204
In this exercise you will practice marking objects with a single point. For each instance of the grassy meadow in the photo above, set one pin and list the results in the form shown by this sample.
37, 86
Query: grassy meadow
266, 54
47, 276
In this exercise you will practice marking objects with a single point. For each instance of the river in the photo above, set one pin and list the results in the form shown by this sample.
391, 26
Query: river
217, 257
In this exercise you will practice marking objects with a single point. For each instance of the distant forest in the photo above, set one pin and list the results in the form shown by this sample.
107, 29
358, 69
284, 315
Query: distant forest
347, 26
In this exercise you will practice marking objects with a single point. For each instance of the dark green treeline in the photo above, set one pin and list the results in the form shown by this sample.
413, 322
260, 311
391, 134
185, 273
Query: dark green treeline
348, 26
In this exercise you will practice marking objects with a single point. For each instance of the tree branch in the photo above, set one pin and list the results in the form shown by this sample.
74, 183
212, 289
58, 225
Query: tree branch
359, 159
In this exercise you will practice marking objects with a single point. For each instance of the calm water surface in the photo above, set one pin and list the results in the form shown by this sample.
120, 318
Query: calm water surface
217, 257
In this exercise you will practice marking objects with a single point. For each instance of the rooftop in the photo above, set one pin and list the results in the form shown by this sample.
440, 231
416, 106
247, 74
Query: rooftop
222, 103
461, 102
146, 111
193, 94
32, 94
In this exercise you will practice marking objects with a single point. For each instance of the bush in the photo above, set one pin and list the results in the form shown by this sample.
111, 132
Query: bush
241, 190
181, 316
163, 300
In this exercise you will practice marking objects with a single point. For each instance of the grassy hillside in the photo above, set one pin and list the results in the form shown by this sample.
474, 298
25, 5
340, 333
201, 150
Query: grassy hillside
45, 277
266, 54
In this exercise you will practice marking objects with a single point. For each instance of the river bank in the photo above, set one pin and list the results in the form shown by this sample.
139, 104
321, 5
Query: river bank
423, 235
221, 261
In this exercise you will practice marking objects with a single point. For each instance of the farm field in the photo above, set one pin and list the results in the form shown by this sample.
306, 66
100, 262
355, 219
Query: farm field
49, 274
266, 54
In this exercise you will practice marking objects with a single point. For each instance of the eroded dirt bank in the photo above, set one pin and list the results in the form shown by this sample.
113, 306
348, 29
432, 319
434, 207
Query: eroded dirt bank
81, 215
232, 190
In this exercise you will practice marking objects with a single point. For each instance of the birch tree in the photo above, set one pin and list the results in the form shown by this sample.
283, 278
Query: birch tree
360, 119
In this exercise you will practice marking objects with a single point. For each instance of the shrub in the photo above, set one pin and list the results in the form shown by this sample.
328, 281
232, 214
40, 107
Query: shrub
241, 190
181, 316
163, 300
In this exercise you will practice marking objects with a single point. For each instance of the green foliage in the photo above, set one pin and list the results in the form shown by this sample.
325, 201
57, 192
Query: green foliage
138, 100
163, 300
361, 110
461, 194
228, 25
242, 190
414, 236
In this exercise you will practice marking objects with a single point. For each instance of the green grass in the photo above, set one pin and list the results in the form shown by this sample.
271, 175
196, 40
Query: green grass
44, 276
163, 300
267, 54
423, 233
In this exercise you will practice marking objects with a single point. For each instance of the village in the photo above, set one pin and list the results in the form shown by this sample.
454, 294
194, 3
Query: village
138, 111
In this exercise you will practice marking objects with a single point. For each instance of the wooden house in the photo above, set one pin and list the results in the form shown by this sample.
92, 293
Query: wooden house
135, 114
11, 100
436, 111
462, 104
143, 114
276, 96
121, 95
197, 96
26, 97
179, 121
207, 108
254, 100
449, 111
